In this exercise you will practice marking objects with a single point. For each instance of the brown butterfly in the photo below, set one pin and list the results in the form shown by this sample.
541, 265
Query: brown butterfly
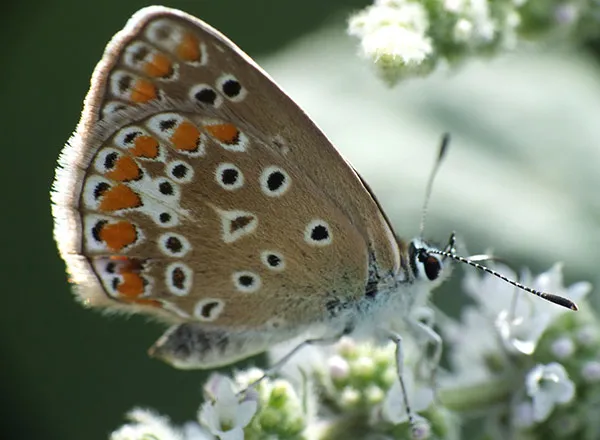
195, 190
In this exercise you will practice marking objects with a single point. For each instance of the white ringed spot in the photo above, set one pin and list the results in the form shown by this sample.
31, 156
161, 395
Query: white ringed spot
178, 278
231, 88
273, 260
245, 281
113, 107
180, 171
318, 233
229, 177
208, 309
274, 181
174, 245
205, 95
167, 189
165, 218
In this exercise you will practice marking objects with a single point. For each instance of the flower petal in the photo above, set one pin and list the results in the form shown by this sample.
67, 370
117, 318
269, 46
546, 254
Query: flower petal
234, 434
245, 412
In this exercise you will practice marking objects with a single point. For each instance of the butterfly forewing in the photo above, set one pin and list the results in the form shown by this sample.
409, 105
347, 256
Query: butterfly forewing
196, 189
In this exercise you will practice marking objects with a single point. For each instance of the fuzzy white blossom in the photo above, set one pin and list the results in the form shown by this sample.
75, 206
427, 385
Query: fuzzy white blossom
338, 367
547, 386
225, 416
520, 317
563, 347
590, 371
393, 34
404, 38
146, 425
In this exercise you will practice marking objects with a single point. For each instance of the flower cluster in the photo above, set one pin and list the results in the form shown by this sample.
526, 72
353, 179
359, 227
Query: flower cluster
537, 359
534, 365
231, 411
410, 37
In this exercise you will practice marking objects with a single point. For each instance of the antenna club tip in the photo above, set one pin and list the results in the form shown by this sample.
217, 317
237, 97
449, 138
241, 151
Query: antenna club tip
561, 301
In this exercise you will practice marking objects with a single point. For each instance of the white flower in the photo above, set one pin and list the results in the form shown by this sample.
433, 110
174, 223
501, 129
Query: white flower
473, 340
410, 15
363, 367
225, 416
419, 397
397, 45
520, 317
548, 385
590, 371
374, 394
454, 5
338, 367
520, 334
563, 347
523, 415
146, 425
394, 36
422, 429
349, 397
463, 30
193, 431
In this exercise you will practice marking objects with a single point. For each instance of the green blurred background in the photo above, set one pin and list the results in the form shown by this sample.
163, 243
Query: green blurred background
70, 373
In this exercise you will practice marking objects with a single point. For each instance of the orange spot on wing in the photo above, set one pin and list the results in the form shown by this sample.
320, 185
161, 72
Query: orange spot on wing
160, 66
226, 133
189, 48
186, 137
125, 169
118, 258
119, 197
145, 146
118, 235
132, 285
143, 91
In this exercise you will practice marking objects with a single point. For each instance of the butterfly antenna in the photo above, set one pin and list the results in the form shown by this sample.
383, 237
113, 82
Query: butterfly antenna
440, 157
556, 299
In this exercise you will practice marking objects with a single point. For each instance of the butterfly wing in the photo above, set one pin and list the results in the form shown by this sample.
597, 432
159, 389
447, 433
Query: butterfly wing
194, 189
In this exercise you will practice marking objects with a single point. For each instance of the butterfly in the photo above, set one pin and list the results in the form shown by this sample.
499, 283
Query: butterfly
194, 190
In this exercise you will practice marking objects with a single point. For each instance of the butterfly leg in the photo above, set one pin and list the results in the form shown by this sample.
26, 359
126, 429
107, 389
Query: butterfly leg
422, 328
397, 339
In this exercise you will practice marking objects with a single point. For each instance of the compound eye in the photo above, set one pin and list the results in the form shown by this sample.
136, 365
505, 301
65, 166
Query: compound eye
432, 267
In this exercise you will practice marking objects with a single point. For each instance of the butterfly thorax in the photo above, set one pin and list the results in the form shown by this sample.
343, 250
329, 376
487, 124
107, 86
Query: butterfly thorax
389, 300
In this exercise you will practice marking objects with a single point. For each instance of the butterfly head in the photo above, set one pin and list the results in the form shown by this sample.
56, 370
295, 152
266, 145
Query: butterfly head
427, 262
